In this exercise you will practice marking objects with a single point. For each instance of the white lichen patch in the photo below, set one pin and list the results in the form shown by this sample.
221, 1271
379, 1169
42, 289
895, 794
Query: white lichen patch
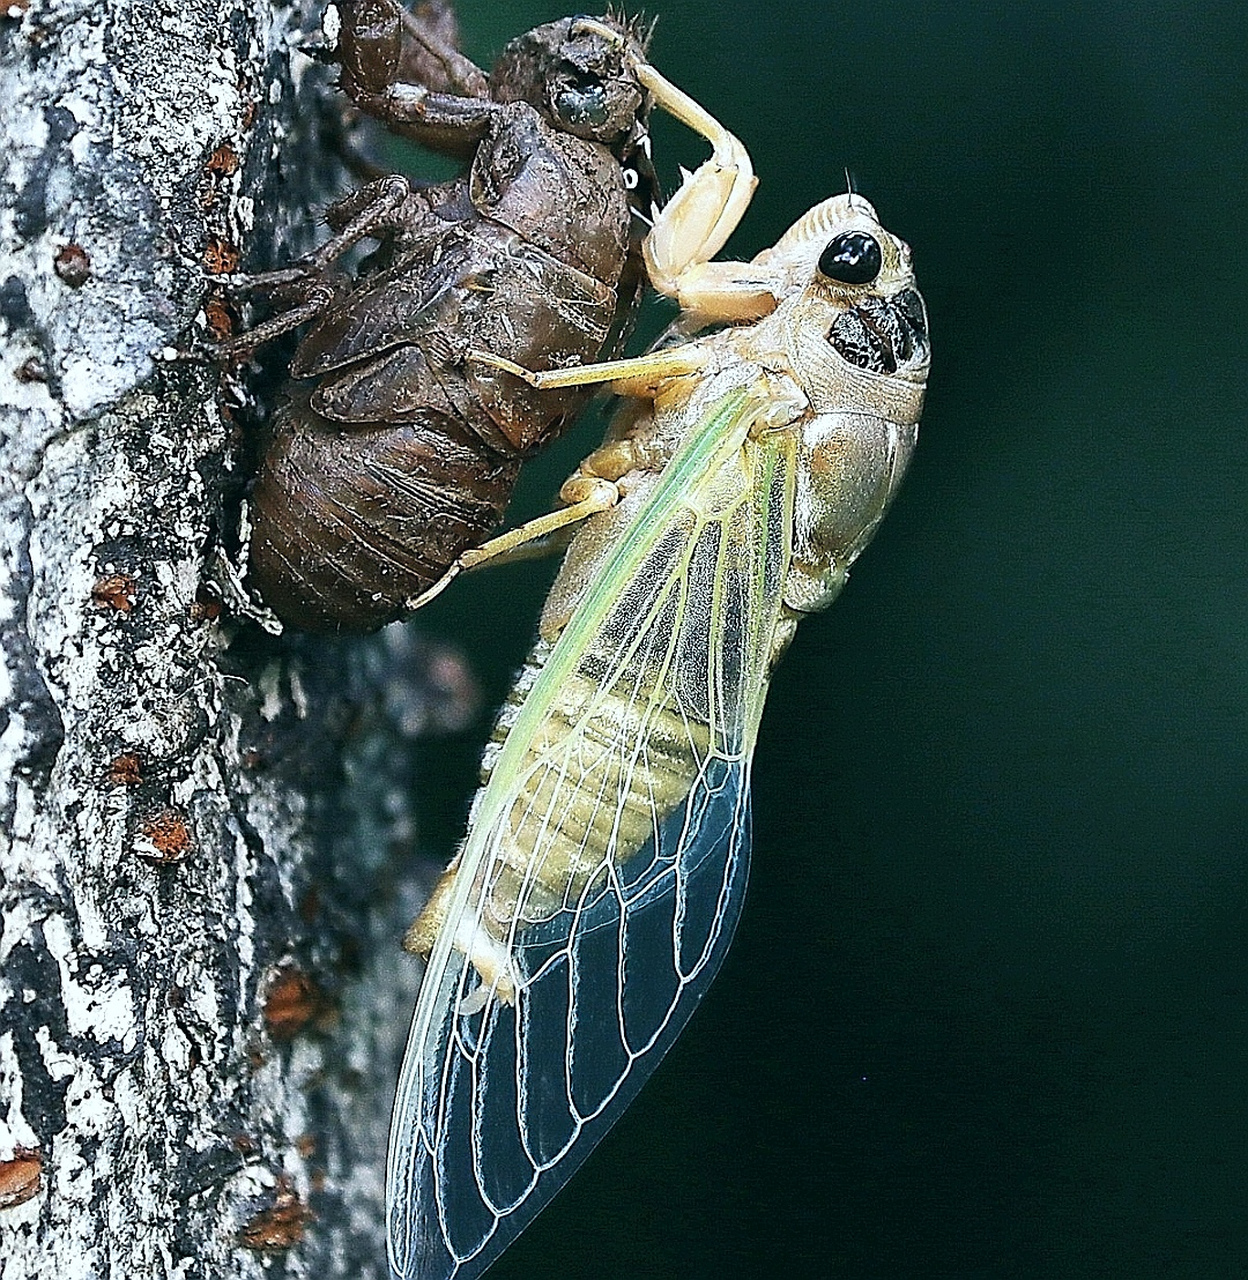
98, 1004
89, 1105
15, 1130
59, 1064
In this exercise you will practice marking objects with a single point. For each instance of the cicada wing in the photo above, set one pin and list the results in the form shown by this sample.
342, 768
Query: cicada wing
617, 815
512, 1098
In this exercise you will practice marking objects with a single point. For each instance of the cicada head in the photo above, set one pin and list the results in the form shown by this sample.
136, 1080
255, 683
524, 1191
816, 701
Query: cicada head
854, 334
579, 75
855, 322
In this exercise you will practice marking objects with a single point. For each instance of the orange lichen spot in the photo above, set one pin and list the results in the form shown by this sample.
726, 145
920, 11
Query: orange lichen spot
115, 591
164, 838
205, 607
220, 318
125, 770
221, 165
20, 1178
223, 162
220, 256
293, 1003
72, 265
278, 1228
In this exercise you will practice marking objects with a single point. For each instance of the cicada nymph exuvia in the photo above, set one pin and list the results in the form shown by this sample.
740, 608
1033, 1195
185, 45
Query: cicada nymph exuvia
605, 862
391, 454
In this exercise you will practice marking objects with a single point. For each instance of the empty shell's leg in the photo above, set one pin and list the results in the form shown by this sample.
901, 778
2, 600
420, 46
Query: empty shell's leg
430, 52
316, 301
370, 212
406, 69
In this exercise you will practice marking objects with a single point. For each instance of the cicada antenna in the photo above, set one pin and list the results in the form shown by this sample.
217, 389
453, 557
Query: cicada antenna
850, 193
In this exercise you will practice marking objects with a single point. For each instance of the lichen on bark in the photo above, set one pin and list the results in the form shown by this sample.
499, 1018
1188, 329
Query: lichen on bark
201, 996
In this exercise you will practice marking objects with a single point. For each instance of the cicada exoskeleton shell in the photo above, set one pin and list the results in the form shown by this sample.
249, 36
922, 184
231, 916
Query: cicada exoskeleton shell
391, 453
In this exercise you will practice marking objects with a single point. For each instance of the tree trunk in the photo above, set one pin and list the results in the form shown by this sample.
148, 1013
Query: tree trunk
201, 996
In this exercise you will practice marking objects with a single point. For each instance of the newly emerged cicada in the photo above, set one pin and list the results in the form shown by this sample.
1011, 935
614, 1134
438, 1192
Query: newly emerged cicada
603, 871
391, 454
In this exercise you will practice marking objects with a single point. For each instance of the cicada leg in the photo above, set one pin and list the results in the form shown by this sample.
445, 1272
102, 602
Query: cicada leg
694, 225
592, 489
585, 495
375, 211
696, 222
636, 376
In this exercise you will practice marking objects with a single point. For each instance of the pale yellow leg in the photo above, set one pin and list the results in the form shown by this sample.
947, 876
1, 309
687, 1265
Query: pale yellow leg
598, 495
694, 225
696, 222
638, 373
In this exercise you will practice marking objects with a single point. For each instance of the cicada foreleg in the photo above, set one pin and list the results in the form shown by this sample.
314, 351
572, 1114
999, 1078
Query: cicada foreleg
406, 70
372, 212
694, 225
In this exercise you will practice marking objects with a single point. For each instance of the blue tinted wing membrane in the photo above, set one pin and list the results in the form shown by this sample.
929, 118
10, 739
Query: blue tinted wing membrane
516, 1096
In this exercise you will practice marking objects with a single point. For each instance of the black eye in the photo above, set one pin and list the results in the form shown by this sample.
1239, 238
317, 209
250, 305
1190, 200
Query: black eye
852, 258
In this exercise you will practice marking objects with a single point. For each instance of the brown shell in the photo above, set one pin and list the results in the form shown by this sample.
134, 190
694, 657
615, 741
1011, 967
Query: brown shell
391, 454
350, 524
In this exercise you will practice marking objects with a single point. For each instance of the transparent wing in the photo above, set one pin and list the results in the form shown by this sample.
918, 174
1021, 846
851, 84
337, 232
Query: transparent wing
521, 1093
607, 856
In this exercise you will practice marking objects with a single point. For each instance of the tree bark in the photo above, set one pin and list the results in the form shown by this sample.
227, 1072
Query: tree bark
201, 996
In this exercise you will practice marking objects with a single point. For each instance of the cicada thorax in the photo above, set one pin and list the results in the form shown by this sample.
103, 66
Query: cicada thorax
857, 443
392, 455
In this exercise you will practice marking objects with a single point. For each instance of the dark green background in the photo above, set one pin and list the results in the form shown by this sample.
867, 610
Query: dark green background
985, 1015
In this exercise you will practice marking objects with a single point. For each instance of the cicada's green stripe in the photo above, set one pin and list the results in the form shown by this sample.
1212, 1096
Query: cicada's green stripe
776, 449
722, 431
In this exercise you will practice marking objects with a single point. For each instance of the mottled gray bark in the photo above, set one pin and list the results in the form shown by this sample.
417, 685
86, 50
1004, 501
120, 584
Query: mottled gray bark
201, 998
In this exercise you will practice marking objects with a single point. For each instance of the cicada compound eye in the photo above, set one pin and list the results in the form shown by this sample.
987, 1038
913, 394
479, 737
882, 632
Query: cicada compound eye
853, 257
